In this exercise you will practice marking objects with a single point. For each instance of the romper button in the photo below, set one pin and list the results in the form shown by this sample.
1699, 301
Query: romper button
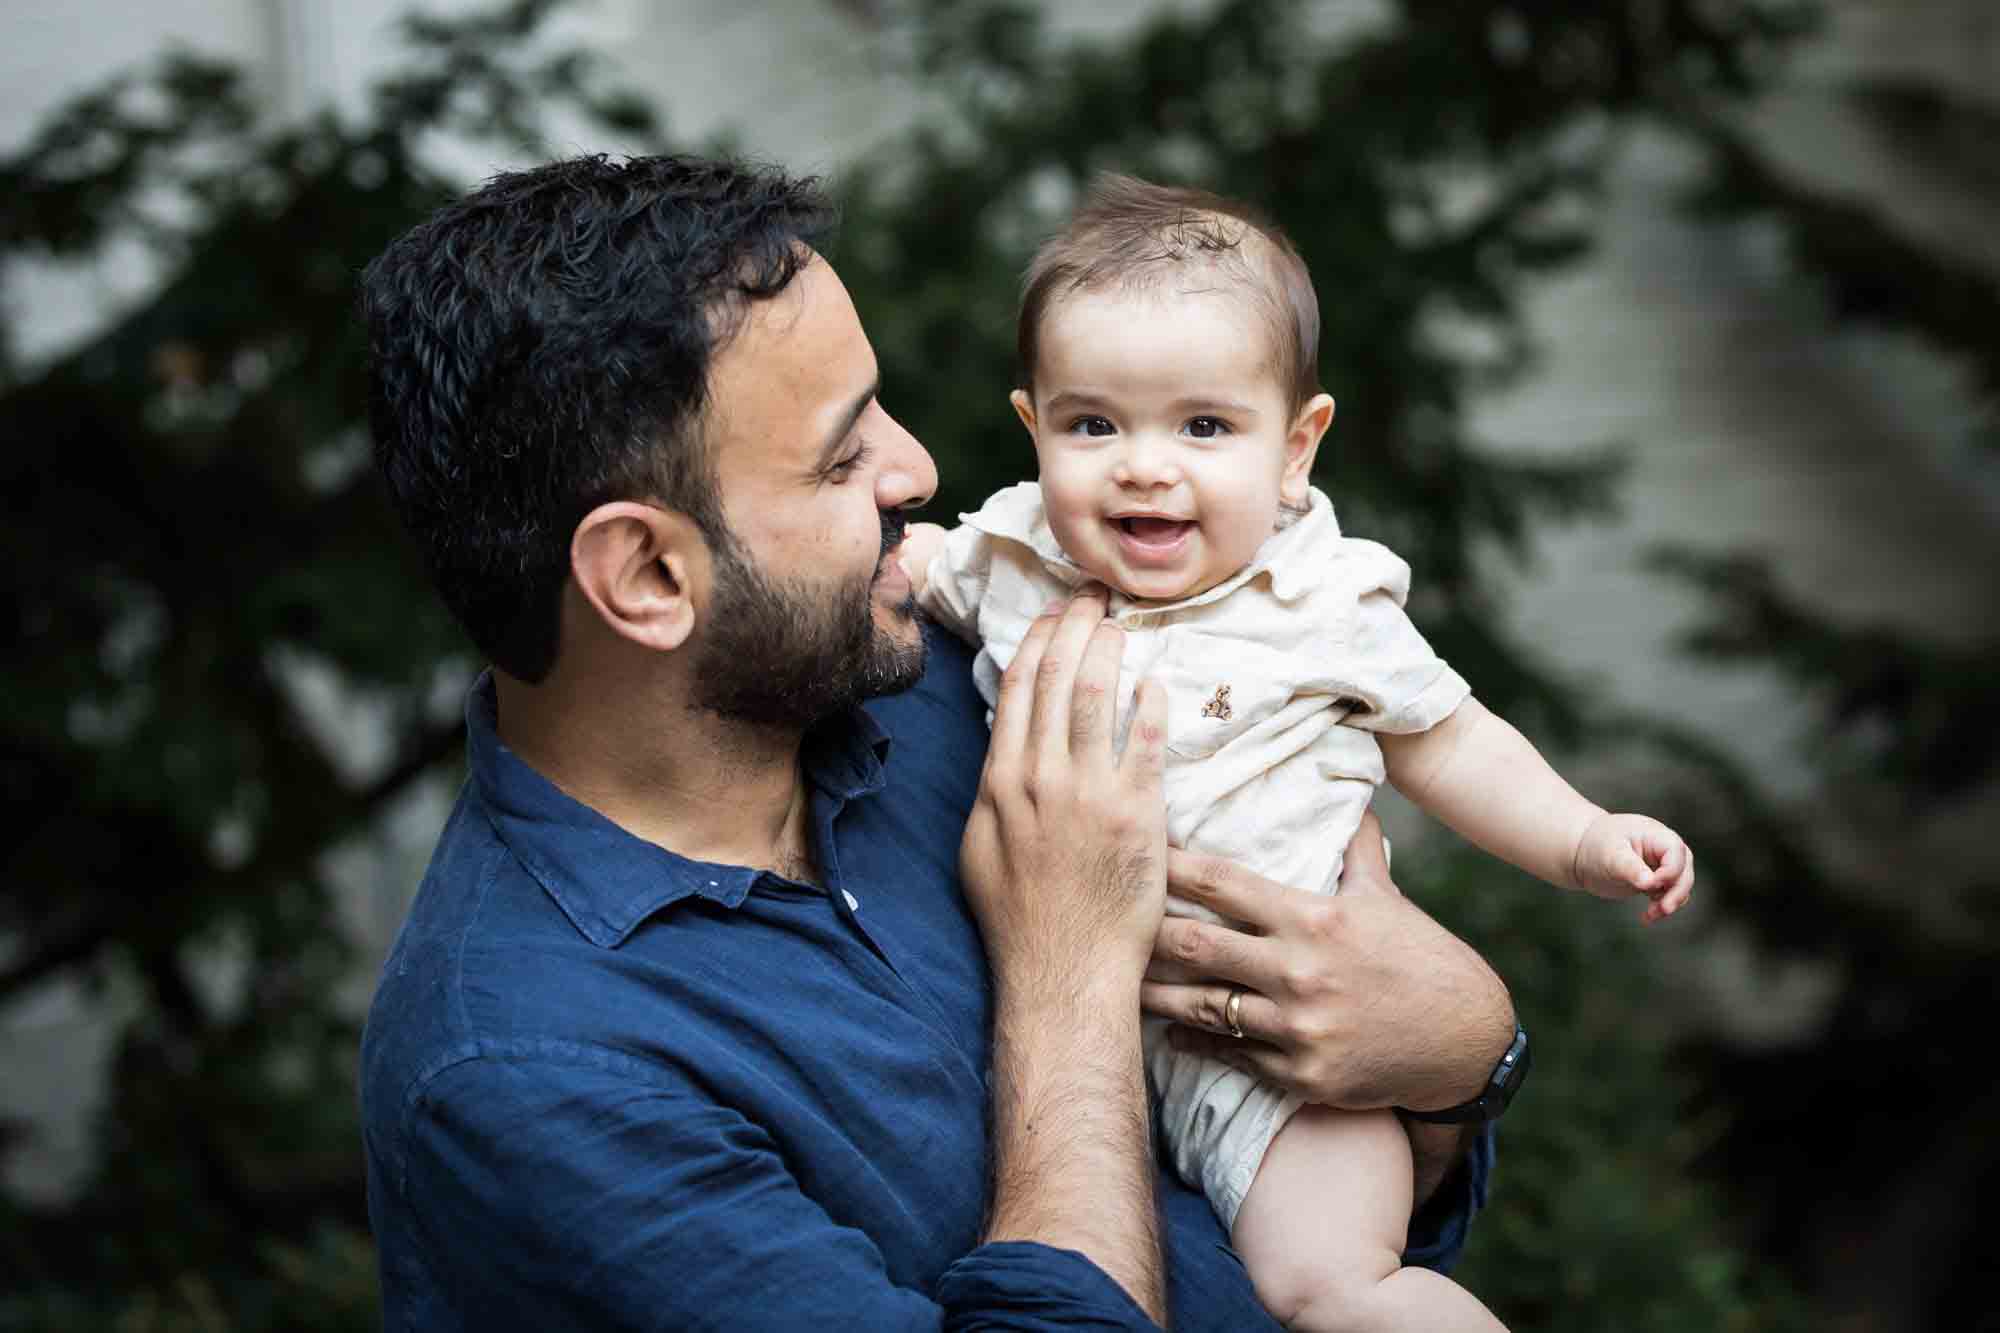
853, 903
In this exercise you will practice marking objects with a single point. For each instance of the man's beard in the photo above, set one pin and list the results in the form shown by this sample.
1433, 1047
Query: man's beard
789, 652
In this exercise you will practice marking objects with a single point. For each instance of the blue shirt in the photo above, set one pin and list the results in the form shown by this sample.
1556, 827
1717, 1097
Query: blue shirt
605, 1087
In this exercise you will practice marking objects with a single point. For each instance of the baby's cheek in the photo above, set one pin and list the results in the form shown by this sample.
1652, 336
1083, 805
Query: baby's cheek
1072, 530
1062, 502
1238, 513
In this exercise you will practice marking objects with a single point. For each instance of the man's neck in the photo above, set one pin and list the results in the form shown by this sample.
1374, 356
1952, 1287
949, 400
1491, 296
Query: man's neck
703, 786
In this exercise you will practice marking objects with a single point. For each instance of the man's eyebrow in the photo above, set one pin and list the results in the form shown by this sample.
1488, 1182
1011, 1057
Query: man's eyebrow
830, 450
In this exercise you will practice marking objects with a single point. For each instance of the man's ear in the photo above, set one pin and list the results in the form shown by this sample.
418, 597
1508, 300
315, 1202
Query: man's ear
635, 564
1302, 446
1024, 408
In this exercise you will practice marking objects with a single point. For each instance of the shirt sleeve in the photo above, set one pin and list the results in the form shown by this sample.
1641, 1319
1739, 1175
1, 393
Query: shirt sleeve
1398, 684
565, 1192
957, 579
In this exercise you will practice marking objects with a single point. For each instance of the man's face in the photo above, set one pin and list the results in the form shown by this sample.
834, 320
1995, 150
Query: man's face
809, 609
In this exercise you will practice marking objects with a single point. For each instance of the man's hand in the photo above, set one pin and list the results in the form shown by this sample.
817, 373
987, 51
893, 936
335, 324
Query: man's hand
1622, 855
1064, 863
1064, 858
1358, 1000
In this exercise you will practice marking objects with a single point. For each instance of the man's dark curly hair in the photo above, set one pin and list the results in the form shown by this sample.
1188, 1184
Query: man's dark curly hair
543, 345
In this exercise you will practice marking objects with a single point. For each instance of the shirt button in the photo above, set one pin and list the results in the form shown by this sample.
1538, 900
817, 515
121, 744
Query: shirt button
853, 903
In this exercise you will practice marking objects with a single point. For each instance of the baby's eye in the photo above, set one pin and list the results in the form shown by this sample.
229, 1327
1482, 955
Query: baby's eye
1207, 428
1090, 425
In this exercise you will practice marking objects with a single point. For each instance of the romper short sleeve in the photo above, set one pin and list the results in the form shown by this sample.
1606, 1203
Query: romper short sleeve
1397, 683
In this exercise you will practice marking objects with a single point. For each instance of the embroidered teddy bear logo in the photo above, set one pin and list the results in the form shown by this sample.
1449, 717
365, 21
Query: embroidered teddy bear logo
1219, 706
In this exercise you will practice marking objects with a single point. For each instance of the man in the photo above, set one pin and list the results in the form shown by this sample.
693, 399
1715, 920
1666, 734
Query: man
690, 1023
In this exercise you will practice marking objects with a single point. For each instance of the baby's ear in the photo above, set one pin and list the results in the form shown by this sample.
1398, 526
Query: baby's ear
1024, 408
1302, 446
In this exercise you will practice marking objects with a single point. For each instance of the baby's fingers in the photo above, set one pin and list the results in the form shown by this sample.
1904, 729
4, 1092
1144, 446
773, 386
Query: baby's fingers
1671, 899
1668, 857
1630, 868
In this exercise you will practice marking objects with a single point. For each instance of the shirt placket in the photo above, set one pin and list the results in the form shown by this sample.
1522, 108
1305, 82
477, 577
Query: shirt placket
850, 908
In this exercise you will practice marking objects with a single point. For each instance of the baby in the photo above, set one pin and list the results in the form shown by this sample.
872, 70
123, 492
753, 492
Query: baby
1168, 341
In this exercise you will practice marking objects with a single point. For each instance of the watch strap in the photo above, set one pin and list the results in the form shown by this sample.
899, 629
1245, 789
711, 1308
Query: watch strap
1501, 1085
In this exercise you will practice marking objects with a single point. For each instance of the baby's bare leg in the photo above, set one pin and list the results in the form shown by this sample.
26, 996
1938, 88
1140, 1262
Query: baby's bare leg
1323, 1227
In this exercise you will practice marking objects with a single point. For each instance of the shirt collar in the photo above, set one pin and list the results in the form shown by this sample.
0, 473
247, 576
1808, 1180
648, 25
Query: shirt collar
605, 879
1016, 514
1296, 556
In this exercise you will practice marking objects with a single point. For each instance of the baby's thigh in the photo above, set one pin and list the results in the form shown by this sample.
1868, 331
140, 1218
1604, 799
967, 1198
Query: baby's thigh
1335, 1186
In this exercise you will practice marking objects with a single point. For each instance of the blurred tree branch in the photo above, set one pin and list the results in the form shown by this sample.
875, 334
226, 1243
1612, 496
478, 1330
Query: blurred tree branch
1870, 271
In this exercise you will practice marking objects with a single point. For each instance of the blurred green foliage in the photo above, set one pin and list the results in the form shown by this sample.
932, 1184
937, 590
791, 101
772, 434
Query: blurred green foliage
1597, 1220
196, 532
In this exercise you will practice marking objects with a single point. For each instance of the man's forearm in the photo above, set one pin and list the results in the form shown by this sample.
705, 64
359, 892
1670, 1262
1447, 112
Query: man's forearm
1434, 1151
1072, 1156
1064, 861
1463, 1023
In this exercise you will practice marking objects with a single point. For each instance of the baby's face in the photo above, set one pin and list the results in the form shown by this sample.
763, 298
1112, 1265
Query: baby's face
1165, 440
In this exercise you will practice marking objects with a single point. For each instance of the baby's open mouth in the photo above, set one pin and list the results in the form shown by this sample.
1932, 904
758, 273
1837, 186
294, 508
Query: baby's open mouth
1151, 530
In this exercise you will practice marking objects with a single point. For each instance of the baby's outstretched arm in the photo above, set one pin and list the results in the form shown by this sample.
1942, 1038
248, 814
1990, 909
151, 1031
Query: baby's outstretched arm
1480, 776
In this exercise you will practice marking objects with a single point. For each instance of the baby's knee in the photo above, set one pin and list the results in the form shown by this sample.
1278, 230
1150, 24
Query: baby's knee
1307, 1292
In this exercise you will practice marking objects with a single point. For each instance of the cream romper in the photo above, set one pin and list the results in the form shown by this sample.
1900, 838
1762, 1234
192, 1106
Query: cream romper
1274, 680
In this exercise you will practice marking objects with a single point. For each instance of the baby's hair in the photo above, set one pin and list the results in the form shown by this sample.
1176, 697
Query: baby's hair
1133, 233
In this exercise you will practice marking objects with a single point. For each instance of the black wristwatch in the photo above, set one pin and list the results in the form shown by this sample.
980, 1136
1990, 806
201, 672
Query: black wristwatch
1501, 1086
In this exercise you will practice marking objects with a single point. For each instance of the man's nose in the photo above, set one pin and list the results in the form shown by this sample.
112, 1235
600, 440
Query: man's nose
909, 475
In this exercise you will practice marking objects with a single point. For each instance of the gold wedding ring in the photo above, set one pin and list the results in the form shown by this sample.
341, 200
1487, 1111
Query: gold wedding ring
1232, 1013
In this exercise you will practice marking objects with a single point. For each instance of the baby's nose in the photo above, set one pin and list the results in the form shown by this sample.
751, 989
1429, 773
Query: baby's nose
1145, 463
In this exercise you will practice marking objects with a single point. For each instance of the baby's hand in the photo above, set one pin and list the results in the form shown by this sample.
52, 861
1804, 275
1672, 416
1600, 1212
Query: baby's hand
920, 543
1620, 855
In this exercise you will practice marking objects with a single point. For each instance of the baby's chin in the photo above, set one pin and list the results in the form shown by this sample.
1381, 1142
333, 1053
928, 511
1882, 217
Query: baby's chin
1164, 586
